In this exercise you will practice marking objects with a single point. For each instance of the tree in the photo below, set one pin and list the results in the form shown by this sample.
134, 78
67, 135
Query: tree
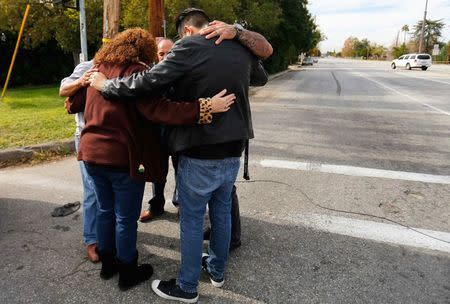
224, 10
293, 36
348, 46
318, 36
377, 51
66, 28
398, 51
361, 48
47, 22
134, 13
432, 34
444, 54
353, 47
287, 24
405, 29
262, 16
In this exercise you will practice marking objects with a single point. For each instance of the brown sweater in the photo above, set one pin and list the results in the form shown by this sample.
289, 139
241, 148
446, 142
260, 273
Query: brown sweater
123, 134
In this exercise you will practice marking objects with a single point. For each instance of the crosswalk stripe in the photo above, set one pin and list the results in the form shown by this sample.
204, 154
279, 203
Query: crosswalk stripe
356, 171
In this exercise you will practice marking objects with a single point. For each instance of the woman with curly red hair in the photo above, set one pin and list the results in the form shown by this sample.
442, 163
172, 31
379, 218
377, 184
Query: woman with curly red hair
120, 145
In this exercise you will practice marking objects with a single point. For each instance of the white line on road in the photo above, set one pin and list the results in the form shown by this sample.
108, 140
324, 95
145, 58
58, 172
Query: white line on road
356, 171
421, 78
288, 106
370, 230
403, 94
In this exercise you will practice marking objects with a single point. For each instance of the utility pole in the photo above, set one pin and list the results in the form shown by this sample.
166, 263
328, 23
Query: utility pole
396, 40
423, 27
111, 16
157, 24
83, 34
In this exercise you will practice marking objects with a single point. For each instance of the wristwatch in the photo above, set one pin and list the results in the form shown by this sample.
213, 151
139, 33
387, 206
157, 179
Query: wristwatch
239, 28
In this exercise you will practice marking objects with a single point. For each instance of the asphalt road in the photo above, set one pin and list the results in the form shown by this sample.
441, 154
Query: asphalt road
349, 201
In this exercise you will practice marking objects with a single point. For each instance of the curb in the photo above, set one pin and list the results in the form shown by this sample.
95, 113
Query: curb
27, 153
274, 76
253, 90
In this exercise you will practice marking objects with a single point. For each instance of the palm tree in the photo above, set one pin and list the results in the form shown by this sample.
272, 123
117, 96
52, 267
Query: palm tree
432, 34
405, 29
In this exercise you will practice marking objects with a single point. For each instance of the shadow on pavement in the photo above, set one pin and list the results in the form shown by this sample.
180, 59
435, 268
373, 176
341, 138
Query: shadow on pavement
42, 260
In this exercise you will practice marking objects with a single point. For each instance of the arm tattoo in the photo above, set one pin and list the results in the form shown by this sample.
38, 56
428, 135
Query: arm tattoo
256, 43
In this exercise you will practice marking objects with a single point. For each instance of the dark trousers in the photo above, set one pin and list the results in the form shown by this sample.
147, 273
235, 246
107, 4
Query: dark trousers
235, 219
158, 200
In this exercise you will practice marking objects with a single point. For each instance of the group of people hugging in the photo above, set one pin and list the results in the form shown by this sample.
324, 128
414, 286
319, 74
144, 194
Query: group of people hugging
136, 103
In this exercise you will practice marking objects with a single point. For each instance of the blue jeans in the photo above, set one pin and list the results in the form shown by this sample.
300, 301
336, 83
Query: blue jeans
200, 181
89, 203
120, 200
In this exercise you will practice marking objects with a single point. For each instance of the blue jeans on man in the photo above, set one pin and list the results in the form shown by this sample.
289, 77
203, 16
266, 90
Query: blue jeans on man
201, 182
89, 203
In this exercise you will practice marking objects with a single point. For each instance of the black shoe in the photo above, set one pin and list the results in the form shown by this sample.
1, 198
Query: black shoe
206, 234
109, 265
234, 246
130, 274
171, 291
216, 283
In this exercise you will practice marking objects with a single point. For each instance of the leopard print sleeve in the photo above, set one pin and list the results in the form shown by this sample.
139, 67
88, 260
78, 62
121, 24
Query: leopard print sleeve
205, 111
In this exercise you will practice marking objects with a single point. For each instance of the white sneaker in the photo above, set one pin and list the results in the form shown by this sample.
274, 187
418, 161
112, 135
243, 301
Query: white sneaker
216, 283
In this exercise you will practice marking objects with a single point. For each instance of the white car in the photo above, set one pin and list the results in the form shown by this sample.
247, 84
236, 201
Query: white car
308, 61
410, 61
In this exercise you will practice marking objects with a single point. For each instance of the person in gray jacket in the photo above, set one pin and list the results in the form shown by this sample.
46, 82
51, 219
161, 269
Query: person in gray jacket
209, 155
69, 86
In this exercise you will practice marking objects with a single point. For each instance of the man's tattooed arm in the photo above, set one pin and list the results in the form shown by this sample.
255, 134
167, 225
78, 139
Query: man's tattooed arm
255, 42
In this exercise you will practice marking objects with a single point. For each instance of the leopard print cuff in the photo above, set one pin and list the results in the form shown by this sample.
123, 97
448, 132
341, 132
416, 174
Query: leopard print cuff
205, 111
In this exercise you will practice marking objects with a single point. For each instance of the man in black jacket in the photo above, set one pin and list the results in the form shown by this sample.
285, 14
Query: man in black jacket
209, 155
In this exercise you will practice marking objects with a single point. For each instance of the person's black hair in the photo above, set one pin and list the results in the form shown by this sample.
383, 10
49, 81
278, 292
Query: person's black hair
192, 16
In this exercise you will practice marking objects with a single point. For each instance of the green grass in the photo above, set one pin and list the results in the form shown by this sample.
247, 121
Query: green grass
33, 115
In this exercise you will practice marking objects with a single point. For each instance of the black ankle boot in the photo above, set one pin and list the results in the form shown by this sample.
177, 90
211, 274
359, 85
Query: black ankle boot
130, 274
109, 265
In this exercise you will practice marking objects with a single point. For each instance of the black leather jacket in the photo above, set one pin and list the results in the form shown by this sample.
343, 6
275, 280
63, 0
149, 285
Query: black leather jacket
196, 68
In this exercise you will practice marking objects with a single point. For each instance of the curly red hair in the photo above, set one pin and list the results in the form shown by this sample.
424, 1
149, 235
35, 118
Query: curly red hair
130, 46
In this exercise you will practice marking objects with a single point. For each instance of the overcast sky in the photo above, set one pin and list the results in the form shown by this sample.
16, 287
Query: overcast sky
378, 21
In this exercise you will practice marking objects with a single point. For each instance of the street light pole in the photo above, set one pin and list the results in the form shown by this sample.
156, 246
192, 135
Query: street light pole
423, 27
83, 34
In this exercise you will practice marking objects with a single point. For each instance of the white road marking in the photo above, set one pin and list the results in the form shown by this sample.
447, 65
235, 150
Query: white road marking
285, 105
356, 171
403, 94
421, 78
370, 230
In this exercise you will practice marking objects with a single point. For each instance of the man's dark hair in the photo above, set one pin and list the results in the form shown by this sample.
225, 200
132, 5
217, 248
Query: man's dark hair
191, 16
